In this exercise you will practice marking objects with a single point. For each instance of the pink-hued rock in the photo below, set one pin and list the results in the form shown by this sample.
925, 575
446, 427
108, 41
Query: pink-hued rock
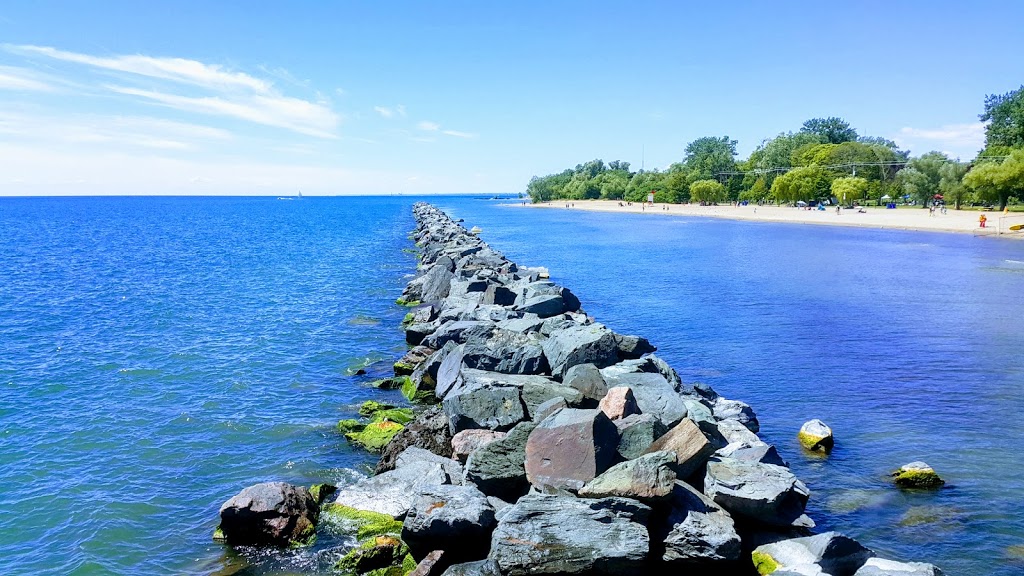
466, 441
569, 448
690, 445
619, 403
430, 565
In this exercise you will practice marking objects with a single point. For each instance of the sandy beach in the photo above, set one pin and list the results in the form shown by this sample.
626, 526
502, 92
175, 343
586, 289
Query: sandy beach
873, 217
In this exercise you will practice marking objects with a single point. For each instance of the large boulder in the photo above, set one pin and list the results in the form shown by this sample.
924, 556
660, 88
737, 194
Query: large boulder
580, 345
736, 410
697, 531
649, 478
489, 406
392, 492
466, 441
637, 433
428, 431
479, 568
588, 380
456, 519
497, 467
831, 552
508, 352
633, 346
424, 377
274, 513
449, 371
654, 394
882, 567
547, 534
539, 390
543, 305
618, 403
816, 435
460, 332
569, 448
436, 282
414, 454
763, 492
754, 451
689, 444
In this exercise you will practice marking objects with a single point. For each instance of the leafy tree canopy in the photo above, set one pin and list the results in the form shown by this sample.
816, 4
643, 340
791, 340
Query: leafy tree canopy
710, 191
707, 156
995, 181
1005, 115
849, 188
804, 183
832, 130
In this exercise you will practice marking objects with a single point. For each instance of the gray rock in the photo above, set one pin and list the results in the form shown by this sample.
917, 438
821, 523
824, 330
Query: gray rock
816, 435
274, 513
637, 433
547, 408
499, 295
455, 519
654, 394
392, 493
488, 406
881, 567
689, 444
754, 451
449, 372
418, 332
428, 431
414, 454
580, 345
436, 283
460, 332
497, 468
732, 432
588, 380
832, 552
544, 305
507, 352
528, 324
698, 530
425, 374
569, 448
545, 534
466, 441
536, 392
764, 492
736, 410
649, 478
480, 568
633, 346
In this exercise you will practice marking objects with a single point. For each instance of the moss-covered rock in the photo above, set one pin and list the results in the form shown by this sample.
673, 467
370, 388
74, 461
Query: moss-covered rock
400, 415
408, 318
407, 303
371, 407
375, 436
361, 523
917, 475
218, 535
412, 393
764, 563
393, 383
320, 492
379, 552
403, 368
816, 436
350, 425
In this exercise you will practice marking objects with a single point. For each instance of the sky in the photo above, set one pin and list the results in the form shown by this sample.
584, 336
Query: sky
333, 97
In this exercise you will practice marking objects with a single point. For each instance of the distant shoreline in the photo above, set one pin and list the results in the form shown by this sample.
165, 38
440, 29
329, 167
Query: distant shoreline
963, 222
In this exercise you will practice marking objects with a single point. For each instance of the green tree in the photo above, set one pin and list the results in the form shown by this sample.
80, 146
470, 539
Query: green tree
774, 156
804, 183
612, 184
995, 181
644, 182
709, 191
951, 184
708, 156
849, 189
1005, 116
923, 183
756, 193
677, 184
832, 130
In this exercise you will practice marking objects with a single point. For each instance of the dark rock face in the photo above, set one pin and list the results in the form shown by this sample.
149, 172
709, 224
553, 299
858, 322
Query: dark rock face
507, 352
637, 433
546, 534
480, 568
497, 468
428, 431
488, 406
580, 345
274, 513
648, 478
698, 531
570, 448
633, 346
455, 519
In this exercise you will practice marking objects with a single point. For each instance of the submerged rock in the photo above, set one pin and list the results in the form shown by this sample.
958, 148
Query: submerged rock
816, 435
274, 513
830, 553
917, 475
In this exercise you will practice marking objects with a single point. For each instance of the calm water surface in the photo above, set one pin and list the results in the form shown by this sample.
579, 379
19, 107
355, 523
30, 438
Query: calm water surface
159, 354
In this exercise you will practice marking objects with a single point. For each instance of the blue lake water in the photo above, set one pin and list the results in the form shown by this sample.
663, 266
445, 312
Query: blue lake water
159, 354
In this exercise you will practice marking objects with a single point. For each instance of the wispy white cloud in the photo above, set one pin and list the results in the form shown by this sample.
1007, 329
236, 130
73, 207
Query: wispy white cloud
963, 140
458, 134
21, 79
390, 112
112, 131
428, 126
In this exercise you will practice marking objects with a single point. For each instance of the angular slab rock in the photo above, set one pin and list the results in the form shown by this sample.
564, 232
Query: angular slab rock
618, 403
547, 534
480, 568
488, 406
449, 372
544, 305
588, 380
649, 478
654, 394
428, 431
691, 447
425, 374
736, 410
637, 433
631, 347
507, 352
274, 513
436, 282
467, 441
764, 492
415, 454
455, 519
430, 565
392, 492
754, 451
881, 567
698, 530
580, 345
460, 332
832, 552
569, 448
547, 408
496, 469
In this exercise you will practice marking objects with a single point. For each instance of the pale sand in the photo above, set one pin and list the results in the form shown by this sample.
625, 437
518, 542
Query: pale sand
874, 217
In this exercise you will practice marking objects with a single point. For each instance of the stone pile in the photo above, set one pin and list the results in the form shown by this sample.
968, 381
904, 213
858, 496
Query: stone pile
559, 446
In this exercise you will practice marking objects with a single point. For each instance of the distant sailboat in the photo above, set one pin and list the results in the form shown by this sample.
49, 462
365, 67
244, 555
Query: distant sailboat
299, 197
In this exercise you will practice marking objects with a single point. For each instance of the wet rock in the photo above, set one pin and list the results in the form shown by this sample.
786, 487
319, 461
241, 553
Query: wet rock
466, 441
375, 436
698, 531
689, 444
816, 435
456, 519
917, 475
497, 468
546, 534
580, 345
618, 403
830, 552
649, 478
880, 567
407, 364
428, 431
274, 513
392, 492
637, 433
764, 492
570, 448
377, 553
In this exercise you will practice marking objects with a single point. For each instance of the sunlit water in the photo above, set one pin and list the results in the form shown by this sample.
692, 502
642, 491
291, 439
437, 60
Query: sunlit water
157, 355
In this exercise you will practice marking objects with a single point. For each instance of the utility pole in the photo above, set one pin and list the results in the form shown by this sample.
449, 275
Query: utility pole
643, 150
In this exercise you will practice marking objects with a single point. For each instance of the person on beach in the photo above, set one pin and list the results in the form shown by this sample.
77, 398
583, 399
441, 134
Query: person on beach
981, 221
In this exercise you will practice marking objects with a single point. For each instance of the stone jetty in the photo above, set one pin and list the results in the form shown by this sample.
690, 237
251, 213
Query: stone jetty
556, 445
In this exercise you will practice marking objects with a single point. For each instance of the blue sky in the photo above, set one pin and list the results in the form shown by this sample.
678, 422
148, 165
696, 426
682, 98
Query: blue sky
452, 97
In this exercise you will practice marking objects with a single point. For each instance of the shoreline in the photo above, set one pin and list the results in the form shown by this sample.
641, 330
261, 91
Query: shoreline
918, 220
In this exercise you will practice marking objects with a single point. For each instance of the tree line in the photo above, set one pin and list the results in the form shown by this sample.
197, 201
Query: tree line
825, 160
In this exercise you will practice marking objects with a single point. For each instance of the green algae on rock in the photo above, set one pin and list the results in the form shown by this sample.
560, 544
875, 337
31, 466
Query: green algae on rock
371, 407
375, 436
393, 383
816, 436
400, 415
764, 563
320, 492
379, 552
403, 368
407, 303
412, 393
917, 475
350, 425
363, 523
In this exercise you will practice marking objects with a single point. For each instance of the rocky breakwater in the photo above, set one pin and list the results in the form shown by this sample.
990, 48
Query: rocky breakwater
556, 445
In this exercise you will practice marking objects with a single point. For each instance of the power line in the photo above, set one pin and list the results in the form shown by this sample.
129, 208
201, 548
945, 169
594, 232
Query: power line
853, 165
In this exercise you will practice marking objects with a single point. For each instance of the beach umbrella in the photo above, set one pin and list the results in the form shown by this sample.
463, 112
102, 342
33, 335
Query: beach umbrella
801, 203
938, 196
886, 197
